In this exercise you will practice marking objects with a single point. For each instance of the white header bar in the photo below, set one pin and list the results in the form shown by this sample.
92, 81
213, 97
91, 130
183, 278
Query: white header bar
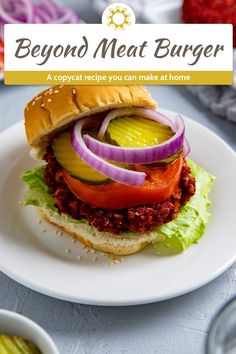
88, 47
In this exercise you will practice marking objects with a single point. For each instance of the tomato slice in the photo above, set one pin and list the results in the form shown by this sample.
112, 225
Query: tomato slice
159, 185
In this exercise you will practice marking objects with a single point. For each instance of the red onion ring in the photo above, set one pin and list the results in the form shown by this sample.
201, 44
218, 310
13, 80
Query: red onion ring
111, 171
186, 148
143, 112
145, 155
43, 11
26, 9
7, 18
50, 8
41, 15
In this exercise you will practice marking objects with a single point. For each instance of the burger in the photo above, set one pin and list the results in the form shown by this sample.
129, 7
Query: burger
115, 172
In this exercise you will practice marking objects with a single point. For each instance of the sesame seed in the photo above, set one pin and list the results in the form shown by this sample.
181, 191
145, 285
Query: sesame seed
38, 98
43, 230
116, 261
74, 91
95, 258
50, 93
73, 240
27, 108
60, 86
56, 91
51, 90
49, 100
79, 257
67, 250
39, 221
33, 103
86, 250
42, 105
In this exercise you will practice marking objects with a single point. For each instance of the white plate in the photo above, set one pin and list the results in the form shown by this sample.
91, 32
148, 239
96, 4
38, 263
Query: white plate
40, 260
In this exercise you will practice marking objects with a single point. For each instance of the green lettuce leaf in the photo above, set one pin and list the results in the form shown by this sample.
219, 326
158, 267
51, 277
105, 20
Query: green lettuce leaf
39, 195
192, 219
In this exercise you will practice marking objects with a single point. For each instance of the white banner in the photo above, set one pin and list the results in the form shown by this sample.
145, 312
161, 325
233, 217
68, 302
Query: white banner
97, 47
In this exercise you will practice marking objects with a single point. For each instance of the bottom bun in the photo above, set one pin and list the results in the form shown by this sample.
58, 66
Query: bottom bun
102, 241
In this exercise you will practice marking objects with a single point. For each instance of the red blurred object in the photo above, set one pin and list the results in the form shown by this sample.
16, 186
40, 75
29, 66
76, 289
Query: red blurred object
210, 11
1, 56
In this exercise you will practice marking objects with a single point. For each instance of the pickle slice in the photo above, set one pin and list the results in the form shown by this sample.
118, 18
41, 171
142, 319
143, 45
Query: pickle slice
70, 161
136, 132
16, 345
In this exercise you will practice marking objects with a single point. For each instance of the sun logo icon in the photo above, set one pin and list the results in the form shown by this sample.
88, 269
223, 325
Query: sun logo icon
119, 16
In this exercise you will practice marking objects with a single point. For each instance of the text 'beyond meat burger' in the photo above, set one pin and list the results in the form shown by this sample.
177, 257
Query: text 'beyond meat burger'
116, 176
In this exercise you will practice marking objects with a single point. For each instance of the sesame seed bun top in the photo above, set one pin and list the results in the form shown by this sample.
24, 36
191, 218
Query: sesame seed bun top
56, 108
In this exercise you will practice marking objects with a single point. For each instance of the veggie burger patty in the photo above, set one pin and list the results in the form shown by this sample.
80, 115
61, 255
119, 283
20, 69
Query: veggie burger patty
135, 219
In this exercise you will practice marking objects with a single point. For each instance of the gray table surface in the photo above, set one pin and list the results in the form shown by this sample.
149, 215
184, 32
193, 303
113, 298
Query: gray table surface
177, 326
